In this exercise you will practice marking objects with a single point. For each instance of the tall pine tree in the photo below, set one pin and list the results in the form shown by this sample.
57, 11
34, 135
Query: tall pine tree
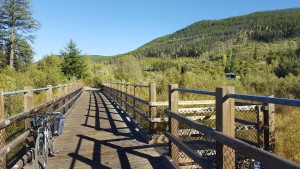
16, 26
73, 65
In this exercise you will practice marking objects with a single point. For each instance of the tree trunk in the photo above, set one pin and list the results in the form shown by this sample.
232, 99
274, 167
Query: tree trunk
11, 56
12, 41
12, 51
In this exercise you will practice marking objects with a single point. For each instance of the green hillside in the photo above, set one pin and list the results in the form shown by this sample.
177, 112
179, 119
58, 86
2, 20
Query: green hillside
204, 36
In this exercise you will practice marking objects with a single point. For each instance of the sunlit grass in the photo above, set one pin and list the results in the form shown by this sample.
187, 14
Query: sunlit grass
287, 134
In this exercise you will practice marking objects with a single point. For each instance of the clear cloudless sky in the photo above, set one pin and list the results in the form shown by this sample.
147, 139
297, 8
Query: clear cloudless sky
110, 27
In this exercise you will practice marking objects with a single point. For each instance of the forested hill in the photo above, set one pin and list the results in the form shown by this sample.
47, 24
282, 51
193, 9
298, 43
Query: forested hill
204, 36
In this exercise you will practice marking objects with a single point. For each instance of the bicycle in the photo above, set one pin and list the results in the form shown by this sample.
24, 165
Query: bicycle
43, 128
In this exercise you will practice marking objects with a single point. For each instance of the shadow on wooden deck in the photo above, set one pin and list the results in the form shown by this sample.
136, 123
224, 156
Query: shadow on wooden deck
123, 141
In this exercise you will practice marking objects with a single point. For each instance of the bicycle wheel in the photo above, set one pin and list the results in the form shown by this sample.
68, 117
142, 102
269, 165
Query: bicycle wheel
41, 151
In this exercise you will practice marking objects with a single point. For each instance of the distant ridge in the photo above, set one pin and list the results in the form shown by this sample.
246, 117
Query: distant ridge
202, 36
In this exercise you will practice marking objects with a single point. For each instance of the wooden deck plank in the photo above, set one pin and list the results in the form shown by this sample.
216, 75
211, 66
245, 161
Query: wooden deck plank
97, 136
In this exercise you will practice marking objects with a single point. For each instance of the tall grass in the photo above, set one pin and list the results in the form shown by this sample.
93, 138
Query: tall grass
287, 135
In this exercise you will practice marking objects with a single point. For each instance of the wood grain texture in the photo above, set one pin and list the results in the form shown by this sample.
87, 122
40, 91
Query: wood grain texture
96, 135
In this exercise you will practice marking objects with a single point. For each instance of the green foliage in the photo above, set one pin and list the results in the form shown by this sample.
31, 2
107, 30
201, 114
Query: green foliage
16, 26
128, 69
73, 65
215, 36
51, 67
287, 135
23, 55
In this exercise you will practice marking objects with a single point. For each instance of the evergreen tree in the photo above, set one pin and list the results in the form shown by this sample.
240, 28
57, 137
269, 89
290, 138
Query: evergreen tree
16, 24
73, 65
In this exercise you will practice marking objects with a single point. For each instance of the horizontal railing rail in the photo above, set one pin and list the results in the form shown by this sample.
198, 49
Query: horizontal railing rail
195, 102
224, 134
128, 84
25, 91
40, 89
282, 101
14, 92
195, 91
267, 158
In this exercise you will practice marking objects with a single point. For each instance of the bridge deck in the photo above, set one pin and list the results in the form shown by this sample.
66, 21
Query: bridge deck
96, 135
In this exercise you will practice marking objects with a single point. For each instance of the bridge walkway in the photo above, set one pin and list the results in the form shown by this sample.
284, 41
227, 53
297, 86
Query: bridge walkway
97, 135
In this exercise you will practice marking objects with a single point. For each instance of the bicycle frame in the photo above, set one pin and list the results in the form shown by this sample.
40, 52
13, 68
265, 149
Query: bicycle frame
46, 143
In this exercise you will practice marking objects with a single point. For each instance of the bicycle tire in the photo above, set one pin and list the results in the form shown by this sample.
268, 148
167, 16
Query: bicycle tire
41, 152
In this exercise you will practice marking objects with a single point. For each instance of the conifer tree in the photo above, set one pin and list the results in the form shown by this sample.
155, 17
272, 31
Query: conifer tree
73, 65
16, 26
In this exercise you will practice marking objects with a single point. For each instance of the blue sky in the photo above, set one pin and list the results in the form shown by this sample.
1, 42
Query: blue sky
110, 27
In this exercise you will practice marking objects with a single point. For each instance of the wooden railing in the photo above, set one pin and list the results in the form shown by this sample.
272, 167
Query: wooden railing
127, 96
224, 147
17, 126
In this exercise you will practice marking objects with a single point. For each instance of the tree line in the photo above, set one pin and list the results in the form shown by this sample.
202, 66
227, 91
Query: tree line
17, 27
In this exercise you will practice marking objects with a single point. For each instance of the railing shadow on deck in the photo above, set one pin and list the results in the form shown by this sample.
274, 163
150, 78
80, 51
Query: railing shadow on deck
97, 101
95, 98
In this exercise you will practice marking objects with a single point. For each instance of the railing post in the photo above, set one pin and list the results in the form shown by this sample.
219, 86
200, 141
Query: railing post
225, 123
28, 98
126, 97
66, 89
115, 92
122, 95
65, 99
28, 104
70, 88
118, 94
49, 93
260, 124
136, 92
60, 90
109, 88
2, 132
173, 124
269, 133
152, 109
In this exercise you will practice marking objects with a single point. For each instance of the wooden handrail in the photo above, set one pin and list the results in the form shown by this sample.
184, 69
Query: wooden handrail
224, 113
191, 153
127, 84
29, 109
195, 91
195, 102
132, 96
282, 101
268, 159
6, 149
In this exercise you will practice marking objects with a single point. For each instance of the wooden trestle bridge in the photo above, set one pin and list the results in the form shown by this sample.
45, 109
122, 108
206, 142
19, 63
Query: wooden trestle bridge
124, 126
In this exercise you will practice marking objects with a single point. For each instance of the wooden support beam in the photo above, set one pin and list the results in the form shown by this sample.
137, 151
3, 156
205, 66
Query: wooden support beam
28, 98
2, 132
225, 123
126, 97
136, 91
260, 124
269, 133
49, 93
122, 95
66, 89
173, 124
152, 109
60, 90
